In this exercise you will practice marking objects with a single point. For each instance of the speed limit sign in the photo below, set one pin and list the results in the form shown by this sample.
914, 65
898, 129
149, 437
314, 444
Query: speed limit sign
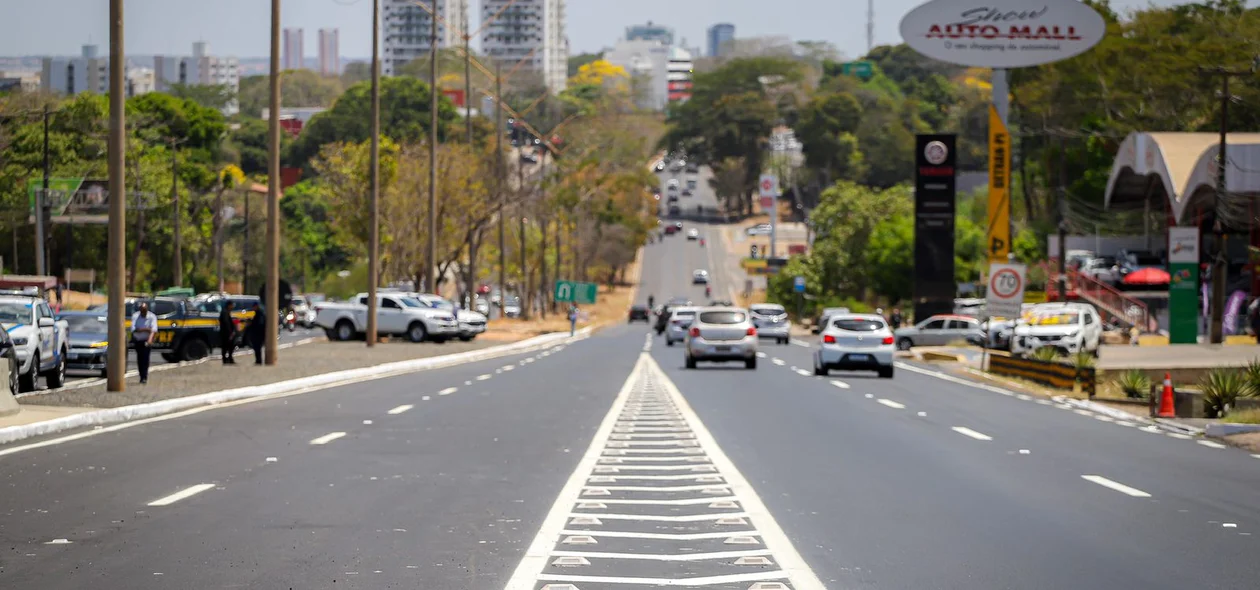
1006, 290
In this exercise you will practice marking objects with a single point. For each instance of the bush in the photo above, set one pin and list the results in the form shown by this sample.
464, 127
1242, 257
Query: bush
1083, 360
1252, 372
1134, 383
1045, 353
1221, 387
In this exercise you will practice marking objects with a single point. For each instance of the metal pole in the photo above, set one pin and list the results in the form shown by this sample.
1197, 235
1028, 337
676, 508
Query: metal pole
272, 303
430, 263
1220, 268
1062, 190
178, 261
467, 80
41, 239
498, 175
116, 266
374, 233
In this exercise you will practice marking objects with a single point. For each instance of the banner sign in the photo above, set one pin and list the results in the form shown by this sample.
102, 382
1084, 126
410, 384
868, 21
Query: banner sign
1183, 286
934, 197
1007, 34
999, 237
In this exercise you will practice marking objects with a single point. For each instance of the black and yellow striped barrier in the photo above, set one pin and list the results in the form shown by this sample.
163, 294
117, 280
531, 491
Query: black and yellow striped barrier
1045, 372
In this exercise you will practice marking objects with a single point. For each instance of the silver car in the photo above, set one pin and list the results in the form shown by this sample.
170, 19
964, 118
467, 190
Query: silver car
679, 322
722, 334
771, 321
940, 330
855, 342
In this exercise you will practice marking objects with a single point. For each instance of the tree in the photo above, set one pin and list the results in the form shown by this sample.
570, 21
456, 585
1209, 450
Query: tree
298, 88
211, 96
581, 59
827, 130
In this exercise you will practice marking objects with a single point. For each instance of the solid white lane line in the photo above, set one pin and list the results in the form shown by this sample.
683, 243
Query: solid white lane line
400, 409
1117, 486
840, 384
1211, 444
327, 438
483, 377
778, 362
663, 557
182, 494
963, 430
892, 404
448, 391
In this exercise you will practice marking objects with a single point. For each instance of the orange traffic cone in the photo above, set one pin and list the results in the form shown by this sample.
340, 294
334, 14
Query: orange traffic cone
1166, 409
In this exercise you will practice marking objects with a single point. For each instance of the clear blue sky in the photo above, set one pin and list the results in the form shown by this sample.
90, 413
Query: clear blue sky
239, 27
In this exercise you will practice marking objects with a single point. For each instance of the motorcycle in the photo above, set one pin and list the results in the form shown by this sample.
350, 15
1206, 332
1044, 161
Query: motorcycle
289, 320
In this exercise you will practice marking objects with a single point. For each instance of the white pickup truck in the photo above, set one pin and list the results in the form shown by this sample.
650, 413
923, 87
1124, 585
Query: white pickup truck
396, 314
40, 341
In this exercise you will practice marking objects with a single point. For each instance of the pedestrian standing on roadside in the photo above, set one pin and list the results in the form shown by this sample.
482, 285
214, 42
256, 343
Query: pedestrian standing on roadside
227, 333
143, 331
573, 318
58, 296
896, 318
257, 332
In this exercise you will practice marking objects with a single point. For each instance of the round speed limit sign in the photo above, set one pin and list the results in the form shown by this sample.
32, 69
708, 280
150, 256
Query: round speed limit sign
1006, 283
1006, 290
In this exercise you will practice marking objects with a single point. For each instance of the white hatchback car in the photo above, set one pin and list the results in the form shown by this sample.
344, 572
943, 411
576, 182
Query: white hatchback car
680, 319
771, 321
855, 342
721, 334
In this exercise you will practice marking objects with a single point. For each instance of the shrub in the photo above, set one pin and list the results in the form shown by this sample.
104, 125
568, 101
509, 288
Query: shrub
1083, 360
1221, 387
1252, 372
1045, 353
1134, 383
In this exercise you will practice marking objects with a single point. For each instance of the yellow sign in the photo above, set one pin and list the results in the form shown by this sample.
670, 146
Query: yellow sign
999, 236
754, 263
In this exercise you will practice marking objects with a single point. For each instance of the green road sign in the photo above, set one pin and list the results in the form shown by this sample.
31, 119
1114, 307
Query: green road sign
572, 291
859, 69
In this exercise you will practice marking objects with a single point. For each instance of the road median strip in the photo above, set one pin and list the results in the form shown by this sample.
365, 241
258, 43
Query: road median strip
129, 415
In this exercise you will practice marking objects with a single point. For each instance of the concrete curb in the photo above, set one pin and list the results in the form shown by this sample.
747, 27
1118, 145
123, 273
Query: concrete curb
312, 383
1225, 429
930, 356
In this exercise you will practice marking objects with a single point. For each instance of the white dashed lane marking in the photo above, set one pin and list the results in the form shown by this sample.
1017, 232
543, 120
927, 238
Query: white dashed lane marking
840, 384
448, 391
1119, 487
778, 362
327, 438
963, 430
182, 494
892, 404
652, 461
483, 377
400, 409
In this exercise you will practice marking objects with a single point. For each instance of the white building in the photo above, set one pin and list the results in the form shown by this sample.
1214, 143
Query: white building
647, 63
407, 28
681, 68
294, 57
199, 69
89, 73
531, 31
21, 81
329, 52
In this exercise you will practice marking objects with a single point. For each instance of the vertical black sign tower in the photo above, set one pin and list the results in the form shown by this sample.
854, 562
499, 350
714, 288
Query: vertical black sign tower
934, 196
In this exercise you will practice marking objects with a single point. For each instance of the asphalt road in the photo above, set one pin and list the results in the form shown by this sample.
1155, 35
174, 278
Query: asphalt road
605, 464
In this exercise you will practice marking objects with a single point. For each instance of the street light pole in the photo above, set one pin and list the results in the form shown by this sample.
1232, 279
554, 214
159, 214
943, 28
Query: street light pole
116, 267
374, 232
272, 286
177, 264
430, 263
41, 237
499, 180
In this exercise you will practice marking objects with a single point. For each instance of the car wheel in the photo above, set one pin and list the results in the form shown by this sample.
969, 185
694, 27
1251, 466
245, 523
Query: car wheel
905, 344
29, 380
819, 370
691, 363
885, 372
669, 342
57, 377
751, 363
416, 332
466, 338
170, 357
783, 341
194, 349
13, 378
345, 330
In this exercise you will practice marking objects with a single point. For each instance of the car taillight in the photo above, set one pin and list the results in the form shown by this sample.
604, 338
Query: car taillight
695, 332
888, 340
752, 331
829, 339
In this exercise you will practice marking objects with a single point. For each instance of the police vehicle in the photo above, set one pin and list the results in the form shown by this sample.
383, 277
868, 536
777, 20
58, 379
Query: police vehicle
39, 339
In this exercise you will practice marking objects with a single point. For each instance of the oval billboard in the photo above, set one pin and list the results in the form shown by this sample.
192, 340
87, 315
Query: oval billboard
1002, 34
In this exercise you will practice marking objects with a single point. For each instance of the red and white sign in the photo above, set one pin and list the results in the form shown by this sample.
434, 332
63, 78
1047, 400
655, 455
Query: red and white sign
1005, 295
1004, 33
769, 185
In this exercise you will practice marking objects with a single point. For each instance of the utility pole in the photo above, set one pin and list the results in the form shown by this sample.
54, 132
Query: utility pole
177, 262
41, 238
374, 232
1220, 266
467, 77
520, 186
498, 175
430, 263
272, 286
116, 266
245, 249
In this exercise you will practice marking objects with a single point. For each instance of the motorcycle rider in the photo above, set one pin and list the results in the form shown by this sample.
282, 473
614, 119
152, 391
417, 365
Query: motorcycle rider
651, 301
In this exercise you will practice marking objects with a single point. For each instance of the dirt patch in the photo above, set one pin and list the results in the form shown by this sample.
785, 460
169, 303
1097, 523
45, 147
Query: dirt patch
1246, 440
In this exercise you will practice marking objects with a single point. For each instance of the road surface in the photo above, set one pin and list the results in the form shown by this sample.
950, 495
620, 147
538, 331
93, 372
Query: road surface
604, 464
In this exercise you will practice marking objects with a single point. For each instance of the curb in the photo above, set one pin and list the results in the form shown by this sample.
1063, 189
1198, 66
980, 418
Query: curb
1228, 429
935, 356
303, 384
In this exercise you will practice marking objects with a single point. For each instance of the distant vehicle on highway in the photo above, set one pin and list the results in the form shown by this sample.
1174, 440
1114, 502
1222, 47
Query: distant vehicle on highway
672, 184
761, 229
674, 210
855, 342
662, 314
671, 229
691, 184
1068, 327
679, 321
687, 192
700, 277
824, 314
678, 164
640, 312
660, 166
771, 321
693, 234
396, 314
940, 330
721, 334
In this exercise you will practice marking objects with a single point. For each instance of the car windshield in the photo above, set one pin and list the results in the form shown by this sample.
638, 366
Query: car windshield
858, 324
768, 310
87, 324
722, 317
411, 302
15, 313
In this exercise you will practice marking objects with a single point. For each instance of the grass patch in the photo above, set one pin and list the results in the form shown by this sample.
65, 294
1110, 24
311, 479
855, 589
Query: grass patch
1244, 417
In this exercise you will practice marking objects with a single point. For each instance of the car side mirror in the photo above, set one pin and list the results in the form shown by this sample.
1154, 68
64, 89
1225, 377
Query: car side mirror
46, 322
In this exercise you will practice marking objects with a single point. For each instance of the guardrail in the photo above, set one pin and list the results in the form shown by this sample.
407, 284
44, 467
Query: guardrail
1050, 373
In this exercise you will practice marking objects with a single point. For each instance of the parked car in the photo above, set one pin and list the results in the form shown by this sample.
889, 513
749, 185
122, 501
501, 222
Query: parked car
687, 192
940, 330
761, 229
471, 323
10, 361
1104, 269
303, 310
771, 321
823, 315
41, 342
691, 184
693, 234
680, 319
1068, 327
640, 313
397, 314
88, 332
512, 307
721, 334
855, 342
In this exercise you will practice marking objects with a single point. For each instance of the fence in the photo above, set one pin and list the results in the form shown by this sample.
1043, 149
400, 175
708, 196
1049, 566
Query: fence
1050, 373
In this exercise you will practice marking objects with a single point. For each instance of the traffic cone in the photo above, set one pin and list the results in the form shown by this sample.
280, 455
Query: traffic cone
1166, 409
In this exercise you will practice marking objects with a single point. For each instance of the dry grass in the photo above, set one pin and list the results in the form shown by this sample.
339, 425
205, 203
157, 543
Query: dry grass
1244, 417
610, 307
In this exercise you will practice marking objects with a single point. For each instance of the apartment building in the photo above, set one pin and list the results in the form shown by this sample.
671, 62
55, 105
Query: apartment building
528, 32
406, 29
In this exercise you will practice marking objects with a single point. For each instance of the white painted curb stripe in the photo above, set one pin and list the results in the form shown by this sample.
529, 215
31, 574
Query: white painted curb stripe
180, 495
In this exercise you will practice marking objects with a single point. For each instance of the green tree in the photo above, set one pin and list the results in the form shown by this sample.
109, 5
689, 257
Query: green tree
298, 88
211, 96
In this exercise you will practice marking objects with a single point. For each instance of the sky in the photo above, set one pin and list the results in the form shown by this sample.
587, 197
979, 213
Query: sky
240, 27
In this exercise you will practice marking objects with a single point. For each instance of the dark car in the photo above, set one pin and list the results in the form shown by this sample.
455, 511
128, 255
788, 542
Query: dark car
89, 340
9, 353
640, 313
687, 192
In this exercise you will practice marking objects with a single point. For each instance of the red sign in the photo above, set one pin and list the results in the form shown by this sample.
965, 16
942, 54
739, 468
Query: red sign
456, 96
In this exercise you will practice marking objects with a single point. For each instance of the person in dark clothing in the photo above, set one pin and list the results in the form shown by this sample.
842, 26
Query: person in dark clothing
896, 318
257, 332
227, 333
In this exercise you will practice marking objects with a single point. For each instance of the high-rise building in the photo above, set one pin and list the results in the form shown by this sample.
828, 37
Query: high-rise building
529, 32
407, 28
647, 63
650, 32
329, 52
88, 73
199, 69
679, 76
719, 35
294, 54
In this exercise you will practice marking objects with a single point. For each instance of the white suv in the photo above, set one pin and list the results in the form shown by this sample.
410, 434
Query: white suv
1068, 327
855, 342
41, 342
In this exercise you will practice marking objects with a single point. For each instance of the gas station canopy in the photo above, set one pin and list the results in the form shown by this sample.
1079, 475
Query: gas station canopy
1181, 169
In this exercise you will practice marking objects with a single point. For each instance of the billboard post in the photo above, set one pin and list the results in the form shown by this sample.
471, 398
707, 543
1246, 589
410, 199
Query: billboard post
934, 201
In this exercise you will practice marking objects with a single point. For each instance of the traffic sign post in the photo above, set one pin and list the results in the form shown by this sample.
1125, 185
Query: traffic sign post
769, 190
575, 292
1004, 298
